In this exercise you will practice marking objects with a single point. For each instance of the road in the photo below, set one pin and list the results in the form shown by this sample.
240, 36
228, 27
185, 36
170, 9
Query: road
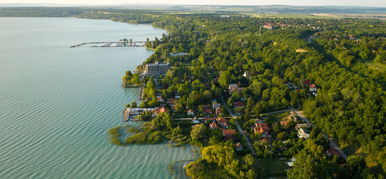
240, 129
276, 112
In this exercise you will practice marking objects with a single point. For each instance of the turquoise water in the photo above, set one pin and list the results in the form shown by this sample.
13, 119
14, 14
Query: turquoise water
56, 102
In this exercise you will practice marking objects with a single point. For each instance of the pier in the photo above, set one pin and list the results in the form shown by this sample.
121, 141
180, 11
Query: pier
111, 44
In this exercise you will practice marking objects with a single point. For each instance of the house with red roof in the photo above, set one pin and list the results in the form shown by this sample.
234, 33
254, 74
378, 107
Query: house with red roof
160, 110
214, 125
208, 110
228, 134
238, 104
313, 87
261, 128
223, 122
268, 26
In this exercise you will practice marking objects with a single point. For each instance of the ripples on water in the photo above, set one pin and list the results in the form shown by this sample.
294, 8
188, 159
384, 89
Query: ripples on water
57, 103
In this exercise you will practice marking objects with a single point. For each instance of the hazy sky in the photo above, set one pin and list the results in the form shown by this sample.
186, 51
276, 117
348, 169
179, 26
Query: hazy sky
374, 3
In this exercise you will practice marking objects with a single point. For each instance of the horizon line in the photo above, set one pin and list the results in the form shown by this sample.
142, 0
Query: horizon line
129, 4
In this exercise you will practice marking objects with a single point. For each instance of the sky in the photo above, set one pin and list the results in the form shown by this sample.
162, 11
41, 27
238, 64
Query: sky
369, 3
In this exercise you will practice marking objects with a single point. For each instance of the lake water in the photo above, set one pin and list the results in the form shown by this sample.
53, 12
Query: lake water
56, 102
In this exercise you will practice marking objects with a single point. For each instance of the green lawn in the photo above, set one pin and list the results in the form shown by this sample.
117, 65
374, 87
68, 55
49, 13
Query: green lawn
274, 167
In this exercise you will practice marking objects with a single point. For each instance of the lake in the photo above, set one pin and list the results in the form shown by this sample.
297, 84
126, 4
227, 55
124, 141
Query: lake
57, 103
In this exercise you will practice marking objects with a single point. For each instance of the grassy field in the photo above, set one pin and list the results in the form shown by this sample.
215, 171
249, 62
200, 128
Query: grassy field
274, 167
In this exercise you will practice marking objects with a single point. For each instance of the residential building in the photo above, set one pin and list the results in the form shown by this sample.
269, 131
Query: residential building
239, 147
178, 54
238, 104
156, 69
160, 110
304, 133
300, 50
190, 112
313, 87
218, 111
261, 128
215, 104
268, 26
228, 133
214, 125
234, 87
223, 122
208, 110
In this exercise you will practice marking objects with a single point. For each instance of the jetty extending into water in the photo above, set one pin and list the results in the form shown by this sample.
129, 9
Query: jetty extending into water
111, 44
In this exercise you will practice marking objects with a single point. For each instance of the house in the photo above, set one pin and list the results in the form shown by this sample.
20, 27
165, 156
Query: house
228, 133
196, 121
218, 111
160, 110
268, 26
156, 69
261, 128
304, 133
291, 117
178, 54
131, 113
208, 110
291, 162
313, 87
234, 87
284, 122
307, 82
332, 152
190, 112
259, 121
208, 119
300, 50
246, 74
215, 104
239, 147
351, 37
160, 99
265, 139
171, 102
298, 126
238, 104
223, 122
214, 125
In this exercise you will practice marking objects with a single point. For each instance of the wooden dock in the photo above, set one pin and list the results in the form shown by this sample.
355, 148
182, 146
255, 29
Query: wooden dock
111, 44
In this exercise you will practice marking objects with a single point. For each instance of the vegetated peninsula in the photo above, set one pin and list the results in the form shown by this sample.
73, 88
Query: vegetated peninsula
262, 97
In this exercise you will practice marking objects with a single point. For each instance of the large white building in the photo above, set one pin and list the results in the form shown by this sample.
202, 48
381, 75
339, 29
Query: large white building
156, 69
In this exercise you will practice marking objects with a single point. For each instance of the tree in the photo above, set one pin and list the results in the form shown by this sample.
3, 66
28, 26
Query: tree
198, 132
224, 79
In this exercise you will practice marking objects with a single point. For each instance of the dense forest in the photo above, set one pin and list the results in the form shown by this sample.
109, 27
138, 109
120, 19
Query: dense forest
345, 58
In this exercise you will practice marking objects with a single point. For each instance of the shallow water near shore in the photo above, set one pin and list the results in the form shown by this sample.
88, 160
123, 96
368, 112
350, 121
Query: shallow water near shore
57, 103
